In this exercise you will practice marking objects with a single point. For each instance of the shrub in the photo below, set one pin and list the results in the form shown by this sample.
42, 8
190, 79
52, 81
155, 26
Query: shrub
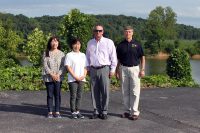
178, 65
21, 78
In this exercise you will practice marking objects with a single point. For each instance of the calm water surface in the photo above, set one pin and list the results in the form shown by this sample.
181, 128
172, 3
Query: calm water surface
158, 66
153, 67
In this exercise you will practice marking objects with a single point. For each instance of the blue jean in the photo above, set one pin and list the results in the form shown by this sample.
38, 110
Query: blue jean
53, 92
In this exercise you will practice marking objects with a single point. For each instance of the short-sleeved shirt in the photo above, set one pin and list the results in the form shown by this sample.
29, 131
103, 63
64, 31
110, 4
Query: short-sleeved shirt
78, 62
129, 53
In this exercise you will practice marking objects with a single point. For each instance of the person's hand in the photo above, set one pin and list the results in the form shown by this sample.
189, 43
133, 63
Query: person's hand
57, 77
54, 77
81, 78
88, 73
117, 75
141, 73
111, 74
77, 78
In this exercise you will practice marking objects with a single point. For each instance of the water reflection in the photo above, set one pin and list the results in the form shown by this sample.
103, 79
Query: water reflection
155, 66
195, 70
158, 66
23, 61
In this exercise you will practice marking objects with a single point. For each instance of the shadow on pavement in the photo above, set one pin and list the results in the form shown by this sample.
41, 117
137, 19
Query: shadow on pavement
41, 110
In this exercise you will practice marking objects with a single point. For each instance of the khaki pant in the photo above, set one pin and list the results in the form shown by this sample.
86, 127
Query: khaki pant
130, 85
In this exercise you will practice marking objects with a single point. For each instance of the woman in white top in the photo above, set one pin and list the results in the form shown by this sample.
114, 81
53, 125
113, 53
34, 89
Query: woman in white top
76, 63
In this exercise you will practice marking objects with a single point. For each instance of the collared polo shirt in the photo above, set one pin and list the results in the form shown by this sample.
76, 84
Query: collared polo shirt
129, 53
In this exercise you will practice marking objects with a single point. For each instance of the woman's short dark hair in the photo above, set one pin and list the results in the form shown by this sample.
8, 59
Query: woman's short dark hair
73, 41
49, 44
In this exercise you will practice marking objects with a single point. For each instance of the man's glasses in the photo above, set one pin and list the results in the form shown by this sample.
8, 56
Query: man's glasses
98, 30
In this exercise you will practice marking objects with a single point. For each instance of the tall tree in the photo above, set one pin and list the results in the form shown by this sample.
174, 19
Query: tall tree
79, 25
9, 40
36, 45
160, 26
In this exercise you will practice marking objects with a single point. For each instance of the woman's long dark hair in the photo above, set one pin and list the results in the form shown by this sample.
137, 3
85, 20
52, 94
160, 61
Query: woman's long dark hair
49, 44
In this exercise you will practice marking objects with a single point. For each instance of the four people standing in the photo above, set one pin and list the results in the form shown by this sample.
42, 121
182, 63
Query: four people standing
53, 74
131, 65
102, 61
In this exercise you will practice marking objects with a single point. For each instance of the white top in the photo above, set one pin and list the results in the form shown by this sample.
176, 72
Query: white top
77, 61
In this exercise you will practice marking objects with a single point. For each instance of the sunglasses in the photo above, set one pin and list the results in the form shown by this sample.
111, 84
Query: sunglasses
98, 30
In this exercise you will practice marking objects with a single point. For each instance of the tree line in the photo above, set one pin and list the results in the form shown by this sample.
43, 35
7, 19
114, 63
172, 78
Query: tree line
114, 24
22, 34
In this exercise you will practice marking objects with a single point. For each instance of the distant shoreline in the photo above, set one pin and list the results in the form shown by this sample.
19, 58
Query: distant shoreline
162, 55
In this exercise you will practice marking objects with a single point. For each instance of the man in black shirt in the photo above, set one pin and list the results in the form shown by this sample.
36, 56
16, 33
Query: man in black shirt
131, 65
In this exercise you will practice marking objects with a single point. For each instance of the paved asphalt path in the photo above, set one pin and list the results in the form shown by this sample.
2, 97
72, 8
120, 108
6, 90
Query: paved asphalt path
172, 110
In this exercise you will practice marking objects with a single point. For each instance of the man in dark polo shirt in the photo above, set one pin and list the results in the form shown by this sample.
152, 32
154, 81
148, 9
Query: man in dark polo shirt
130, 68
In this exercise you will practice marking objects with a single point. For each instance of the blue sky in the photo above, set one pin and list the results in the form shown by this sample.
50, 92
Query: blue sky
188, 11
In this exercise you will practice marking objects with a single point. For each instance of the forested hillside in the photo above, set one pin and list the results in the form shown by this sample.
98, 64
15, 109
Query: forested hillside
113, 25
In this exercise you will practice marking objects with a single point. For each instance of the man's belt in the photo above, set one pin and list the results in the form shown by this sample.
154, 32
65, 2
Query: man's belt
98, 67
127, 65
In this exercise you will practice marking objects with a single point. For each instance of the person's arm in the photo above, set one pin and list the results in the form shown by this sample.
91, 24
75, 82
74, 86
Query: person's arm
69, 69
142, 66
85, 73
88, 60
47, 70
117, 74
62, 68
113, 59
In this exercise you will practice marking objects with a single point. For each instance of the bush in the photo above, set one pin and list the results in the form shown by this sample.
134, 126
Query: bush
6, 63
26, 78
164, 81
29, 78
178, 65
21, 78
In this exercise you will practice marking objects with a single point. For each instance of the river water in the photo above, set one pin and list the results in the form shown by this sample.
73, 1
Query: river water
158, 66
153, 67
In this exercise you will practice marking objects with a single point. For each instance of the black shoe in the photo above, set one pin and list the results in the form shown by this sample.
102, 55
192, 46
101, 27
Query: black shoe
57, 116
125, 115
49, 115
104, 116
74, 116
79, 115
133, 117
95, 116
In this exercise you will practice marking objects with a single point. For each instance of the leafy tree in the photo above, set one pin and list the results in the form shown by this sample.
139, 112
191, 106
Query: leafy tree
12, 41
35, 46
160, 25
2, 34
9, 41
178, 65
79, 25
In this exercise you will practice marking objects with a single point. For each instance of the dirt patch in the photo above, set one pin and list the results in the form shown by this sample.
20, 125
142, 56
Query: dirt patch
160, 55
195, 57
